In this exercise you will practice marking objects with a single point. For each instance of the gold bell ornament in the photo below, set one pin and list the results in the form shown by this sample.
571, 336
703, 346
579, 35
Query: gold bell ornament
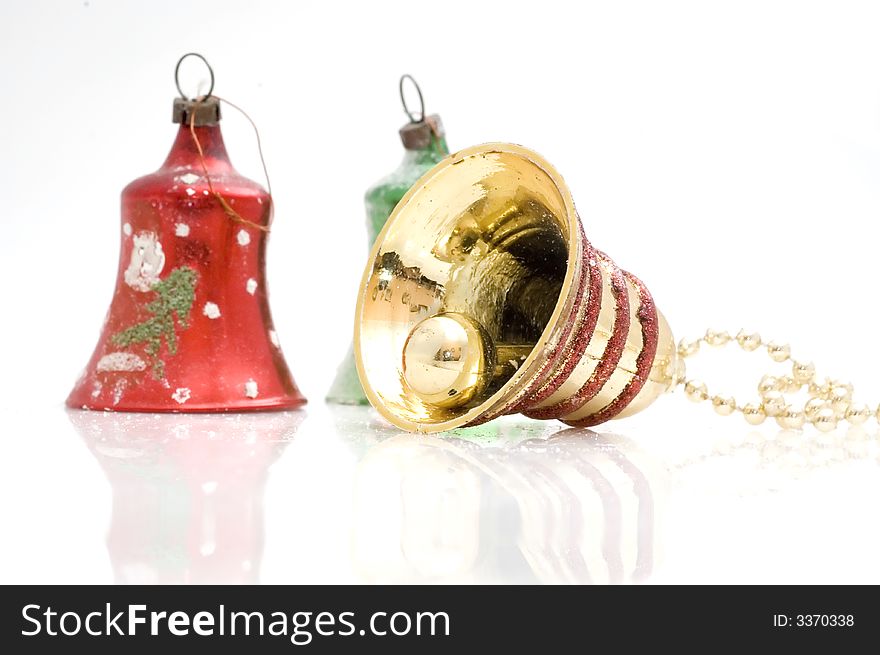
482, 297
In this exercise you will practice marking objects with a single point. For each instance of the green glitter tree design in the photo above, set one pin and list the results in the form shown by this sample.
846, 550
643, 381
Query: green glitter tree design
176, 294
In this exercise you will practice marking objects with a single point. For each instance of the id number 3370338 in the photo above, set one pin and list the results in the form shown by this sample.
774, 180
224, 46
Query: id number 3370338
813, 620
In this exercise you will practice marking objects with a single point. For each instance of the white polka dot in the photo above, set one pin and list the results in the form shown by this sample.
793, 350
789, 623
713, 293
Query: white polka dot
250, 389
126, 229
251, 286
190, 192
273, 337
181, 395
181, 230
211, 310
189, 178
243, 237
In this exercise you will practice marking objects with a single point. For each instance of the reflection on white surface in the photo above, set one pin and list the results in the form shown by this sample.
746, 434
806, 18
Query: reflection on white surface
187, 491
571, 508
514, 501
336, 495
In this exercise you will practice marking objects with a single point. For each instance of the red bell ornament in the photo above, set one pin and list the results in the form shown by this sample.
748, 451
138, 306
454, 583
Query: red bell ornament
189, 327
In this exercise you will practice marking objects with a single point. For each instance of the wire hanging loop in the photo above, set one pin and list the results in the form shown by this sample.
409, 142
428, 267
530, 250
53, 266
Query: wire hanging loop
177, 75
409, 113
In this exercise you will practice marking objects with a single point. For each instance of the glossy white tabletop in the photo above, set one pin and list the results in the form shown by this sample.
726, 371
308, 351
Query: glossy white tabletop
334, 495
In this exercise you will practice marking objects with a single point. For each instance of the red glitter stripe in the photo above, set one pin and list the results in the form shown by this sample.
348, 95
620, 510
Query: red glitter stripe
610, 357
549, 364
650, 336
587, 317
568, 338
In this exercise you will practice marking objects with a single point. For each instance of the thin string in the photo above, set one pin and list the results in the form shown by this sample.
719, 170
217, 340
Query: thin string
257, 135
227, 208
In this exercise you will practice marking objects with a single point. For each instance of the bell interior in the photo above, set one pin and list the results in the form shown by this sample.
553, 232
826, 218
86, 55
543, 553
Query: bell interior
485, 234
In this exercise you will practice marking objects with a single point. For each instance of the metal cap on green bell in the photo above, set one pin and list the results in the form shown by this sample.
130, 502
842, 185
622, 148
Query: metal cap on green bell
416, 135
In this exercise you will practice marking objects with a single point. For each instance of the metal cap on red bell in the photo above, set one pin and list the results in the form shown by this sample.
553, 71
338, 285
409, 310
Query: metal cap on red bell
483, 297
200, 111
189, 327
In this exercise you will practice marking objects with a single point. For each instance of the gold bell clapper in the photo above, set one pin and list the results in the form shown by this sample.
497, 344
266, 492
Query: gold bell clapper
483, 297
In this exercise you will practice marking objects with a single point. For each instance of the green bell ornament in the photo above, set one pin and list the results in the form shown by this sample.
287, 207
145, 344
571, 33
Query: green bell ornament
425, 144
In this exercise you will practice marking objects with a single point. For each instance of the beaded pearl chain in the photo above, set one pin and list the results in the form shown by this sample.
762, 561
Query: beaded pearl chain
828, 402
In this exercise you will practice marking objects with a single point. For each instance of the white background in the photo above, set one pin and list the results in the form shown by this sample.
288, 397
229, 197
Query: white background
727, 153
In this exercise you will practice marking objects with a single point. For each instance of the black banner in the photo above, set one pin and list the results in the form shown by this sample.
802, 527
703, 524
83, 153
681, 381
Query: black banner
431, 619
